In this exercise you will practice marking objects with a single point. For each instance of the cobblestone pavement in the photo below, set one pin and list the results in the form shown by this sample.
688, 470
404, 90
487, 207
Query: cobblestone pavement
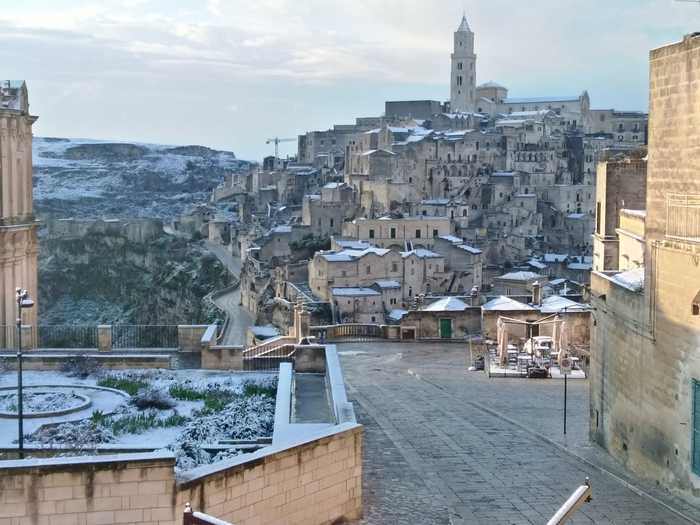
443, 445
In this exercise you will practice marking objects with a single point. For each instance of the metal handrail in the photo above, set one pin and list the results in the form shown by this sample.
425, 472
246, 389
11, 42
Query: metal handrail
580, 496
190, 517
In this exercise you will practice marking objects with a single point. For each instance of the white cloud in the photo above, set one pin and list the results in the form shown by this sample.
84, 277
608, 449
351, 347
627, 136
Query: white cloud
304, 64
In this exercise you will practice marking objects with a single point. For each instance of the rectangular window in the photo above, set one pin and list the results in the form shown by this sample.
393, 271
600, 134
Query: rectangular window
394, 267
371, 234
435, 233
332, 223
696, 427
393, 233
369, 269
597, 218
417, 234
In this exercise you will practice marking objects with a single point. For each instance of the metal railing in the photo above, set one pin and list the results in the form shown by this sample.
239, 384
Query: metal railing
580, 496
683, 217
269, 359
66, 336
144, 336
190, 517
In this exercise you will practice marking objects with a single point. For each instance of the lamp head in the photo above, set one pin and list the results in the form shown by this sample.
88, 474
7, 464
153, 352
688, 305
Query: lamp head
26, 303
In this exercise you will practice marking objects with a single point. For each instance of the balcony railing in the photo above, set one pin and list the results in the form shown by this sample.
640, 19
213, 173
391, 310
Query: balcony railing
144, 336
89, 337
683, 217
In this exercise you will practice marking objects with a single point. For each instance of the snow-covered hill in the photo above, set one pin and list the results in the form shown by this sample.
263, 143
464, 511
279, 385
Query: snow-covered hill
91, 178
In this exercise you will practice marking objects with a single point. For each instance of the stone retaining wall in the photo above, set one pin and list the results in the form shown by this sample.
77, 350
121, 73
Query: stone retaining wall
314, 481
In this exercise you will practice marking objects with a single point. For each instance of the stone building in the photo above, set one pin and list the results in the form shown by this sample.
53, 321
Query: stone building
414, 109
620, 184
645, 364
18, 228
357, 305
445, 318
403, 233
349, 268
326, 211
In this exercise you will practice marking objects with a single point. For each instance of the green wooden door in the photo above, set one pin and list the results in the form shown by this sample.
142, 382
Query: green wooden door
695, 437
446, 328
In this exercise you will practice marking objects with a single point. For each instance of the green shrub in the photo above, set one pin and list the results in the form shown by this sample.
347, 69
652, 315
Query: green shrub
127, 385
98, 417
254, 389
186, 393
139, 423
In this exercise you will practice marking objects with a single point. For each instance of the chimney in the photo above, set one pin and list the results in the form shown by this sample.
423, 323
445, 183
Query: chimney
537, 293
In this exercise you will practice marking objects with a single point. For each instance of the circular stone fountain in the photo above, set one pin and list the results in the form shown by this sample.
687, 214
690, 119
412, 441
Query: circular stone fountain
48, 401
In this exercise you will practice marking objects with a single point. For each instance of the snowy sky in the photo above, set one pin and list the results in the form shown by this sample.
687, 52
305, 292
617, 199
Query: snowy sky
230, 73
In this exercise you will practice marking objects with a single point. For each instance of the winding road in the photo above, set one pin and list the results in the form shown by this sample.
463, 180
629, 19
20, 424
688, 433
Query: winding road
239, 318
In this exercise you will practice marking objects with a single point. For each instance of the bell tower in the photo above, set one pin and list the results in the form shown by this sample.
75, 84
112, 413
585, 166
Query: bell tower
463, 77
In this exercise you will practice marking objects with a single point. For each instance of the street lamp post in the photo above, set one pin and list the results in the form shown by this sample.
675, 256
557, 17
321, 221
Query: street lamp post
23, 301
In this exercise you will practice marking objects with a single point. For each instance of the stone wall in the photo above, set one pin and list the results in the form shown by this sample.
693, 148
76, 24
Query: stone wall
319, 481
315, 481
38, 360
135, 488
427, 323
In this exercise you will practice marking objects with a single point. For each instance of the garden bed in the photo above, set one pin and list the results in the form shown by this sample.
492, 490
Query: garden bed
197, 414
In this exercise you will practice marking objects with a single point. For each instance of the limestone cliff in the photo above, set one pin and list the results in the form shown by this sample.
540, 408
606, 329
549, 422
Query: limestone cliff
104, 277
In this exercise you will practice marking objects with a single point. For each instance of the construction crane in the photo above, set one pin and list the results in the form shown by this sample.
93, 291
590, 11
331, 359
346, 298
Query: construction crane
276, 141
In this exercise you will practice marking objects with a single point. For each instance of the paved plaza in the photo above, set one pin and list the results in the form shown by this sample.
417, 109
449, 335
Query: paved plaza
444, 445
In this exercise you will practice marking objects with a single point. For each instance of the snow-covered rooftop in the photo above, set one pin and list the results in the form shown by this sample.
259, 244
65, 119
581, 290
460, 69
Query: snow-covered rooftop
555, 257
490, 84
435, 202
470, 249
353, 244
637, 213
350, 254
579, 266
631, 279
446, 304
506, 304
537, 264
520, 276
556, 303
451, 238
353, 292
532, 100
421, 253
397, 314
386, 284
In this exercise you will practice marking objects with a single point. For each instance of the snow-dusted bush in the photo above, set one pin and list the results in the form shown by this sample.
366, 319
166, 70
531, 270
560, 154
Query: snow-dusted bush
152, 398
85, 434
80, 366
244, 418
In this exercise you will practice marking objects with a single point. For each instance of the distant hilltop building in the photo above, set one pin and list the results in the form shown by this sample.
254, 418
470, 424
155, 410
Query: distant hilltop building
18, 236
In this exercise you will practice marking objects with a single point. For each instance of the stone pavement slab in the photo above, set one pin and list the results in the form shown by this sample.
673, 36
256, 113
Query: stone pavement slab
443, 445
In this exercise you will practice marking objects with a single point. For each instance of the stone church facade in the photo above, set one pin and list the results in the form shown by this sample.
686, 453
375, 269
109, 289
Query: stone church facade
19, 246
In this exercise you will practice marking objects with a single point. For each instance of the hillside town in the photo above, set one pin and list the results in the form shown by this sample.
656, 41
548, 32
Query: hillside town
474, 310
481, 198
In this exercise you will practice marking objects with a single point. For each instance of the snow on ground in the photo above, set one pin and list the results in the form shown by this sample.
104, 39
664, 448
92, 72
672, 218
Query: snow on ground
184, 426
39, 402
74, 181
